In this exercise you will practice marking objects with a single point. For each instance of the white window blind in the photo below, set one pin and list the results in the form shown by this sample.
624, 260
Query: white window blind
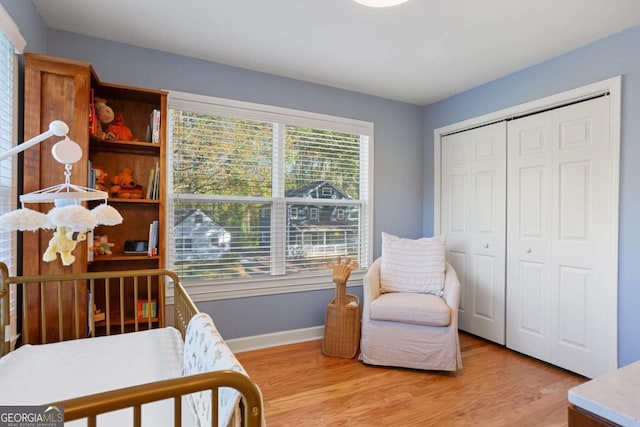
11, 42
258, 192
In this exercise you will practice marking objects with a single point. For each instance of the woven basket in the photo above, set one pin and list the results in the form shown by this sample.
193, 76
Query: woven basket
342, 326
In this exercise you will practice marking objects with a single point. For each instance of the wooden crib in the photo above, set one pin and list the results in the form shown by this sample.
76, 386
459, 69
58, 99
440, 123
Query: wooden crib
130, 399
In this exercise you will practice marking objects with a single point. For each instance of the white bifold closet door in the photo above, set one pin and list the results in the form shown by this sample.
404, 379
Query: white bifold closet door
561, 287
473, 186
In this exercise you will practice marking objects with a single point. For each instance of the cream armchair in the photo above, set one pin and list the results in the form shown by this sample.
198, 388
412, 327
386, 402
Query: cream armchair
410, 330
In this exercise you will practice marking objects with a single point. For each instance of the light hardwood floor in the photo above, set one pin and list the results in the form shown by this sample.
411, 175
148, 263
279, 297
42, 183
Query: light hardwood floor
496, 387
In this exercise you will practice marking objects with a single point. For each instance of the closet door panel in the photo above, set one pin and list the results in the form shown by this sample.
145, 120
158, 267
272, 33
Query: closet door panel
533, 326
455, 207
477, 159
573, 290
573, 210
531, 198
528, 236
487, 231
532, 296
484, 285
584, 299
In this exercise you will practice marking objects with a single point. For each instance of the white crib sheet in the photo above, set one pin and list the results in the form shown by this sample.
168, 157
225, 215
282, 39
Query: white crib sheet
40, 374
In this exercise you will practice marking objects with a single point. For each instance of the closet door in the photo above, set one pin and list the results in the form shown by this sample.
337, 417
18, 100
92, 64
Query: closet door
473, 217
529, 236
562, 287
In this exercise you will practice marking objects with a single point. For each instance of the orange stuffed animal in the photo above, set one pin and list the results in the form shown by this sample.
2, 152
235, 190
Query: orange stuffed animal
118, 130
124, 186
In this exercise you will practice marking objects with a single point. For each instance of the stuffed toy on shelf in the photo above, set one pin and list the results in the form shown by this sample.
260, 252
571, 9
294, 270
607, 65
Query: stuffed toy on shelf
118, 130
124, 186
110, 125
101, 178
102, 246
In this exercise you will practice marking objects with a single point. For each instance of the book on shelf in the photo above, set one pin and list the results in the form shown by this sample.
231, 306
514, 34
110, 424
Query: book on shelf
152, 174
93, 119
156, 183
147, 309
153, 132
91, 179
90, 239
153, 187
152, 247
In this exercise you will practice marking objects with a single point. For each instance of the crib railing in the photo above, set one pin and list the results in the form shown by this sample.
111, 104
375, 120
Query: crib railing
90, 407
78, 320
5, 324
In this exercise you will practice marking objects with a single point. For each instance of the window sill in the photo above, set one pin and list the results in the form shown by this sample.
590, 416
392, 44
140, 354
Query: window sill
267, 286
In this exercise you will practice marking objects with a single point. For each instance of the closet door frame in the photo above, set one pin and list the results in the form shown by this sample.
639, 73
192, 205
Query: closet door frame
611, 86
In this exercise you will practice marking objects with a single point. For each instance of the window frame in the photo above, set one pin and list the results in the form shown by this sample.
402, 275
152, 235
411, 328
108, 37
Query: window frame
12, 33
293, 213
314, 214
271, 284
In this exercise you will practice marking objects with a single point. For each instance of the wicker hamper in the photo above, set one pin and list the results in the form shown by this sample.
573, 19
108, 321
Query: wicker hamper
342, 327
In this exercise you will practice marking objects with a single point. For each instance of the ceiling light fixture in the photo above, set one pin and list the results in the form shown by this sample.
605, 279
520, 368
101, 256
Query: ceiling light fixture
380, 3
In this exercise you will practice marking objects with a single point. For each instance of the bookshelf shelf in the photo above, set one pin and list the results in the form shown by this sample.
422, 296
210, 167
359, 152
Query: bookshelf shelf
124, 257
145, 201
114, 320
124, 146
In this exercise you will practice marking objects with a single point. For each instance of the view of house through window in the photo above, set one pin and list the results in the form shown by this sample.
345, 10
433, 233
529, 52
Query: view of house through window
251, 197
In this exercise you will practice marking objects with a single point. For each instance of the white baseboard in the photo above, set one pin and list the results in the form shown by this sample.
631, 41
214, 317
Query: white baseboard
257, 342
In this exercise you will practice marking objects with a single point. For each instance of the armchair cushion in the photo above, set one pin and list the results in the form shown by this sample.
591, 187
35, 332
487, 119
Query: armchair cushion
416, 309
412, 265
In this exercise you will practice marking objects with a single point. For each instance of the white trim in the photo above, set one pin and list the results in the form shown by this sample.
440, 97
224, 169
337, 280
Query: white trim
11, 30
270, 285
613, 86
262, 112
615, 116
370, 200
278, 282
257, 342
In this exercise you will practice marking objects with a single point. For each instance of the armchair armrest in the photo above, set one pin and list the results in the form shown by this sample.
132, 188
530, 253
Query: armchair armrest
371, 285
452, 288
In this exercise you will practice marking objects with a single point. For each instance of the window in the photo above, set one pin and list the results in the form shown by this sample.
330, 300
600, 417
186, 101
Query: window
286, 190
11, 42
293, 213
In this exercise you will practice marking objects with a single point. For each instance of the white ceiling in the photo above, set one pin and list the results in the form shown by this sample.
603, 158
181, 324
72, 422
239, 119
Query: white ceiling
418, 52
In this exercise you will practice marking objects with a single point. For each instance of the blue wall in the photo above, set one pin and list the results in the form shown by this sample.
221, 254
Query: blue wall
397, 142
615, 55
31, 27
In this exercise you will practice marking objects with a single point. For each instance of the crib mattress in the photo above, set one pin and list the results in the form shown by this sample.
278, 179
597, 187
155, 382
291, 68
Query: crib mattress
41, 374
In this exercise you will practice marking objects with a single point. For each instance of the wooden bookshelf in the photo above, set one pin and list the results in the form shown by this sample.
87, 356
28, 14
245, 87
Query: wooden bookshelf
62, 89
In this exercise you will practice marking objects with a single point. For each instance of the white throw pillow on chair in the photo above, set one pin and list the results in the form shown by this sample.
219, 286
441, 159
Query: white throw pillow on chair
410, 265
